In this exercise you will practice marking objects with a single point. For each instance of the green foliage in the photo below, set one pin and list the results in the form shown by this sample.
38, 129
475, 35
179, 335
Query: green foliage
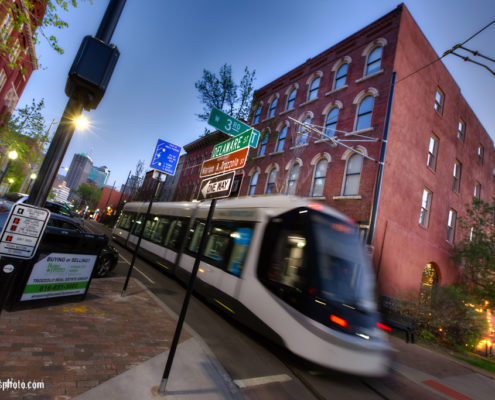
446, 316
475, 253
224, 94
89, 194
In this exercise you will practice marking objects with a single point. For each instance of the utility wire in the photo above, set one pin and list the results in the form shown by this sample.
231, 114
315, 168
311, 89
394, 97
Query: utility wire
449, 52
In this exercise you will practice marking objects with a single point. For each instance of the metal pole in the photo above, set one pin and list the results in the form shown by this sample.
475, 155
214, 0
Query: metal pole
129, 272
110, 20
378, 184
54, 156
182, 316
5, 171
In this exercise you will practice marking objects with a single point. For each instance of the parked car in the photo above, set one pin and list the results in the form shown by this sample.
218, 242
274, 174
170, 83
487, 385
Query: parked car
54, 206
63, 225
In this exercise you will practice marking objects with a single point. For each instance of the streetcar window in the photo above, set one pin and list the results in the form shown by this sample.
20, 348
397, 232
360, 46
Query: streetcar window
149, 226
242, 238
195, 237
160, 229
125, 221
217, 245
138, 226
175, 233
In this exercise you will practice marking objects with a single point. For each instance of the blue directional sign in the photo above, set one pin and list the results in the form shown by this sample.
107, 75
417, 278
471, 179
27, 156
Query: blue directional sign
165, 157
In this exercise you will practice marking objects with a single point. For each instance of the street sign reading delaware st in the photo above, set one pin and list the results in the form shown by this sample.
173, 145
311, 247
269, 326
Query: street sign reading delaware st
231, 126
229, 146
165, 157
216, 186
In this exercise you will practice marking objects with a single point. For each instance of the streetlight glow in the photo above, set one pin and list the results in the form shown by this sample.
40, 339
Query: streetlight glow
81, 122
33, 176
13, 155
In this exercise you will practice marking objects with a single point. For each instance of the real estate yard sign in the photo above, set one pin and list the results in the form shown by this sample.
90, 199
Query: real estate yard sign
59, 274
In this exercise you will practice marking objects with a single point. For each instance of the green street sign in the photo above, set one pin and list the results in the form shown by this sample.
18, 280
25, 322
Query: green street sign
229, 146
231, 126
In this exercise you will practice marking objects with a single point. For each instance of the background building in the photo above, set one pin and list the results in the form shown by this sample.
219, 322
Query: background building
437, 155
99, 175
17, 66
79, 170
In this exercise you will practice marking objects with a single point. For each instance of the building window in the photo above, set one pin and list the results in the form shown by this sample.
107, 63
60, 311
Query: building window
431, 160
303, 133
374, 61
270, 185
252, 184
6, 27
451, 225
364, 113
439, 100
281, 139
341, 76
319, 179
16, 49
477, 190
262, 148
480, 154
257, 114
3, 78
313, 89
292, 181
353, 175
456, 183
461, 130
273, 106
331, 122
291, 99
424, 215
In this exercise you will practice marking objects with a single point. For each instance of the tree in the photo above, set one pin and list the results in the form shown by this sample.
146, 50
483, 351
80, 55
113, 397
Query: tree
25, 133
23, 14
89, 194
475, 253
223, 93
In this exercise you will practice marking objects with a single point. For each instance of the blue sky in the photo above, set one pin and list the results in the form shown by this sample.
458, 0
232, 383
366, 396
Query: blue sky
165, 45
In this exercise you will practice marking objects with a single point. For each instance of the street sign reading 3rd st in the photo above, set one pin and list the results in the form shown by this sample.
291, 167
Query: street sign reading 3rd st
231, 126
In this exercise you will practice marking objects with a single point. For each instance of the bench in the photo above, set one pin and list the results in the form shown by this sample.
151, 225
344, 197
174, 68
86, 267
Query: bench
397, 320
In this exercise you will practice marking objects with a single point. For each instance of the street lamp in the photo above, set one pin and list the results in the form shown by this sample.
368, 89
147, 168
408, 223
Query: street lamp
12, 156
32, 177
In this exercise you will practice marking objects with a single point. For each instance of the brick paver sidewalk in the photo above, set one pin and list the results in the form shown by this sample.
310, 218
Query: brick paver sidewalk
75, 346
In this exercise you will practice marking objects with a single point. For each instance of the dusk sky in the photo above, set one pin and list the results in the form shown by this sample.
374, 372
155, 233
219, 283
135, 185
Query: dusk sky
165, 45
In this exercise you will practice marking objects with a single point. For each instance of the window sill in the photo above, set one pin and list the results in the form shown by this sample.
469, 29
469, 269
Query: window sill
308, 102
299, 146
362, 131
365, 78
287, 111
275, 153
258, 157
336, 90
347, 197
319, 198
268, 119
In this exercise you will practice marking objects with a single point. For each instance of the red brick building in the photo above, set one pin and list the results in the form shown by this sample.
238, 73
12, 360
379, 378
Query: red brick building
437, 156
17, 65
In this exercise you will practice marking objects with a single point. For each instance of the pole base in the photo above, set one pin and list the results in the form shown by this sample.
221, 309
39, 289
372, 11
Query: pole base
163, 387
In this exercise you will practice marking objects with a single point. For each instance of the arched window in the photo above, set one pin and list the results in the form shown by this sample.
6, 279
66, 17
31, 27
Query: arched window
252, 184
303, 133
281, 139
292, 181
257, 114
331, 122
273, 106
291, 99
365, 110
313, 89
341, 76
353, 175
270, 185
262, 148
374, 61
319, 178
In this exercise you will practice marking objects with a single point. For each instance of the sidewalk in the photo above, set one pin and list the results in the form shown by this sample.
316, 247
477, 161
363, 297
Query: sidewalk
107, 347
